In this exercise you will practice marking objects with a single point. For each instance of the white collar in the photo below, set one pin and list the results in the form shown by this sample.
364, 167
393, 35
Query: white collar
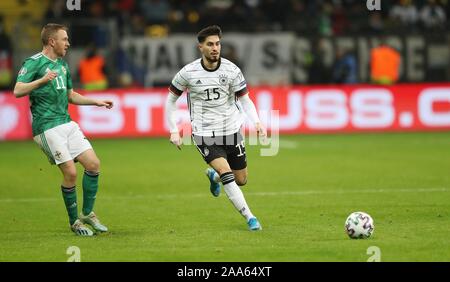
49, 58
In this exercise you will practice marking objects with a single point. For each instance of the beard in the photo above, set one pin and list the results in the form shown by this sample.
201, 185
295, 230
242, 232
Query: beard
212, 59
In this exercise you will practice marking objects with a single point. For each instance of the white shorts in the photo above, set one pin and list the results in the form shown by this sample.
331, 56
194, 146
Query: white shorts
62, 143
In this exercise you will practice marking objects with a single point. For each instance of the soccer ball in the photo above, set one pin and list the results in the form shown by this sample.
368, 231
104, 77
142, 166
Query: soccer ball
359, 225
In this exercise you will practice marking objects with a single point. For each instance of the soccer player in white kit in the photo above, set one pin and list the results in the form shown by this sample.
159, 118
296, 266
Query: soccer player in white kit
214, 85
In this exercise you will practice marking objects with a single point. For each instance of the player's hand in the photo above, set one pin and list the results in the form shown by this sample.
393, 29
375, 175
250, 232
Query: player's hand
49, 76
175, 139
105, 103
262, 132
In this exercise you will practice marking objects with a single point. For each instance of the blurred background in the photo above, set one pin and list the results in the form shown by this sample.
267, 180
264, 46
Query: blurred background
275, 42
358, 92
325, 65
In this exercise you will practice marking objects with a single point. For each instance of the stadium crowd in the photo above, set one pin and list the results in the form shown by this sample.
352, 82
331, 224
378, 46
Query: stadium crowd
306, 17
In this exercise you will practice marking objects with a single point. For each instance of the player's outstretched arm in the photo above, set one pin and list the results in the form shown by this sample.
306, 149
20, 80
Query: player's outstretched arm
170, 109
250, 110
24, 88
78, 99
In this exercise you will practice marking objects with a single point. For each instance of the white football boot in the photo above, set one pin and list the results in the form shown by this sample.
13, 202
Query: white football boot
93, 221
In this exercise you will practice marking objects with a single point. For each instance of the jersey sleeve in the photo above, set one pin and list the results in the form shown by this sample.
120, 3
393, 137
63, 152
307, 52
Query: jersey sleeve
239, 85
179, 83
69, 77
28, 71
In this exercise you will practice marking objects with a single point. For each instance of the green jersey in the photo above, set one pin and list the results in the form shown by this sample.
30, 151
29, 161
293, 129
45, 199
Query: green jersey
49, 103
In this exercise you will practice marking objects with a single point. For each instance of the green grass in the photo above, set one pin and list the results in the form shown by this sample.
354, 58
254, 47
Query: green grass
156, 202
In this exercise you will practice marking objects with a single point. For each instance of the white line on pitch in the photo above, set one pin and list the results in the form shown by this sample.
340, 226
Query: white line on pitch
263, 194
288, 144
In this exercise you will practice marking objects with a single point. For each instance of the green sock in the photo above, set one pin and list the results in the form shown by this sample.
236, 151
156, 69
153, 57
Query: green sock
90, 187
70, 200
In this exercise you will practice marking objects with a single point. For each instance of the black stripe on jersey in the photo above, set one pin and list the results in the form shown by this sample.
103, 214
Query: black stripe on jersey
236, 104
182, 77
218, 66
175, 90
189, 105
241, 92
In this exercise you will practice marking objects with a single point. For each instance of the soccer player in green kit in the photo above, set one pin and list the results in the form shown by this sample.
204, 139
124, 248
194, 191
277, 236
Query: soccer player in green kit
45, 77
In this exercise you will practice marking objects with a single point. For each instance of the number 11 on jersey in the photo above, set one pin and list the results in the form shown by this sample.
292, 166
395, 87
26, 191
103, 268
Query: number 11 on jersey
60, 83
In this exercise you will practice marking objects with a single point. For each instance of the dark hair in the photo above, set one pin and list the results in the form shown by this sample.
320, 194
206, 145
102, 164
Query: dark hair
49, 30
208, 31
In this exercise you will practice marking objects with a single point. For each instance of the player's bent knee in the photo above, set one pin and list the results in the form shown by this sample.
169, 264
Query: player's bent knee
93, 165
70, 175
241, 182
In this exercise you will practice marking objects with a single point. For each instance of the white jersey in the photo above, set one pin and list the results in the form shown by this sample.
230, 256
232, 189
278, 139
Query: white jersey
212, 96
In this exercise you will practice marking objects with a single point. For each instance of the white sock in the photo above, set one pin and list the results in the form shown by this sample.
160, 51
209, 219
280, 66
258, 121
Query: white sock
235, 195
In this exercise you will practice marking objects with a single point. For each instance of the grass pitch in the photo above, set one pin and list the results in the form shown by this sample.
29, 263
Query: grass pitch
156, 202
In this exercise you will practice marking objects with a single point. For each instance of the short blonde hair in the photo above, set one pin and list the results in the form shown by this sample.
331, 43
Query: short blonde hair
49, 30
